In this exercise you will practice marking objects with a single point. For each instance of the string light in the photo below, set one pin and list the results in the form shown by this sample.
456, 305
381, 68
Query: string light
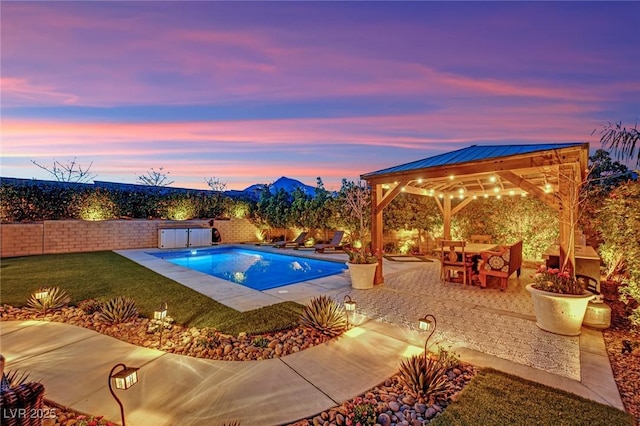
492, 179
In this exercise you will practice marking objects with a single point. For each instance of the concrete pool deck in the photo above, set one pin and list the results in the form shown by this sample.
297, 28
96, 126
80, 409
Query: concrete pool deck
486, 327
237, 296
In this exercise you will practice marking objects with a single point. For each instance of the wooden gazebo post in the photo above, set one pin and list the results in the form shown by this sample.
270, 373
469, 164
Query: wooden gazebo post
376, 229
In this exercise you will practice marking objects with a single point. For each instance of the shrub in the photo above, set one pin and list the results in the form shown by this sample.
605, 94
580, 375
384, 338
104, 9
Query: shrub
260, 342
448, 358
211, 340
618, 221
181, 208
53, 298
362, 413
324, 315
425, 377
89, 306
119, 309
96, 205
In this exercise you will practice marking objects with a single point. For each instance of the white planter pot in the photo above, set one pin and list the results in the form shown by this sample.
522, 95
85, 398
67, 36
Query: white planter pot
559, 313
362, 275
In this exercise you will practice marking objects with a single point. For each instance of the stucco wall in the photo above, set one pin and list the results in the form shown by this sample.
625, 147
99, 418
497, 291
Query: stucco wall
73, 236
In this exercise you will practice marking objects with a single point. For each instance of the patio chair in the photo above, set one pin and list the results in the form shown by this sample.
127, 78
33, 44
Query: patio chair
292, 244
501, 263
452, 260
334, 244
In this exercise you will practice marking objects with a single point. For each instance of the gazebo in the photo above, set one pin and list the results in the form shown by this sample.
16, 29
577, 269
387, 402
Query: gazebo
553, 173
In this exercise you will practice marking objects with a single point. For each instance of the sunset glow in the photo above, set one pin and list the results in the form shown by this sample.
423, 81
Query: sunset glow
250, 91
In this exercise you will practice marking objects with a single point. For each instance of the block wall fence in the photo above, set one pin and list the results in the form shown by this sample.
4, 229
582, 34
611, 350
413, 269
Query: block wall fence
74, 236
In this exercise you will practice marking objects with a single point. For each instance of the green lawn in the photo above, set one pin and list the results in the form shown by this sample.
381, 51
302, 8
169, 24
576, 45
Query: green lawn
496, 398
103, 275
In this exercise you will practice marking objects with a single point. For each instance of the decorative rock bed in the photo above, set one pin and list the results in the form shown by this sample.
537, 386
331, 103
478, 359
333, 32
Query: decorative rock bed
197, 342
394, 404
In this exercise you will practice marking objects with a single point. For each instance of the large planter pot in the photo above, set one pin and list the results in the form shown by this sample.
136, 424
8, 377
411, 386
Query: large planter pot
362, 275
559, 313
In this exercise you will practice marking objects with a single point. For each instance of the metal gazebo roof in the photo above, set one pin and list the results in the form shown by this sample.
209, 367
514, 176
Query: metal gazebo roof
470, 154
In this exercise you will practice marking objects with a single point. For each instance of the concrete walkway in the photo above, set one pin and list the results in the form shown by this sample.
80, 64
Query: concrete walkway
74, 363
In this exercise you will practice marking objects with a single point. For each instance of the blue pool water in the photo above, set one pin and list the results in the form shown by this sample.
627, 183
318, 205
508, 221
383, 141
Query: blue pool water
252, 268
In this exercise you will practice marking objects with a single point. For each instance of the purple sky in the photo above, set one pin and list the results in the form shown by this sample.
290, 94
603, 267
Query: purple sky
247, 92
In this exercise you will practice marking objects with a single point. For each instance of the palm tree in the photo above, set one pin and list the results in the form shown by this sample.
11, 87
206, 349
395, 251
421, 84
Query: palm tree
622, 141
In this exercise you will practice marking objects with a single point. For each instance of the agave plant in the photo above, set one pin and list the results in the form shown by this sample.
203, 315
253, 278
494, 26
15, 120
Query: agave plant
47, 298
16, 377
324, 315
119, 309
426, 377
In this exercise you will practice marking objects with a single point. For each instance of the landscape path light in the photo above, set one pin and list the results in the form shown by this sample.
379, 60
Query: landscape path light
349, 306
428, 322
41, 294
161, 314
123, 379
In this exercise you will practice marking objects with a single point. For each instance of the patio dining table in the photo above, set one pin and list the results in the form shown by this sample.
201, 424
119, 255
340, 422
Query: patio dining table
474, 248
472, 251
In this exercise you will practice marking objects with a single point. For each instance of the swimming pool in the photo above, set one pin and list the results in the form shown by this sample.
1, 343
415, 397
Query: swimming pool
252, 268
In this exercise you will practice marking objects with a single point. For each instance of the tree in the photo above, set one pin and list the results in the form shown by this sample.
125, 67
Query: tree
622, 141
356, 206
604, 172
69, 172
215, 184
155, 178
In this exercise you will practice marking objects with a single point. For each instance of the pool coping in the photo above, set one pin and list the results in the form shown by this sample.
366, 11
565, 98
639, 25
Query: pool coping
237, 296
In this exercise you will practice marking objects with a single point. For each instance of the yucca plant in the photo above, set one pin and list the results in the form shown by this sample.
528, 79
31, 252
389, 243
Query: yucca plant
324, 315
47, 298
119, 309
426, 377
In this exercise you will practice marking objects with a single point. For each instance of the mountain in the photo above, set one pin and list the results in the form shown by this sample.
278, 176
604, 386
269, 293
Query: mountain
288, 184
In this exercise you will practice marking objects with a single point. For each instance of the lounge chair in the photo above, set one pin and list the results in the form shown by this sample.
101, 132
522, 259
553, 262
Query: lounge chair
334, 244
292, 244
